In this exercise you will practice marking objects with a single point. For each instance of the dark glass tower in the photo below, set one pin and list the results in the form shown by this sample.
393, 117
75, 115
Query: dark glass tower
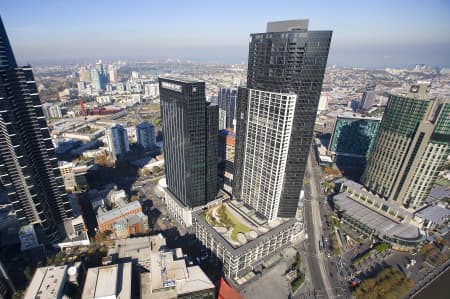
190, 126
28, 166
286, 59
227, 102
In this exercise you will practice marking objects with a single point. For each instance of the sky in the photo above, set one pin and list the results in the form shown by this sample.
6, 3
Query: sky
366, 33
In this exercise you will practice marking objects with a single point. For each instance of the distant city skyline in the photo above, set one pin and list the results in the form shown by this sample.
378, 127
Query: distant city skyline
375, 34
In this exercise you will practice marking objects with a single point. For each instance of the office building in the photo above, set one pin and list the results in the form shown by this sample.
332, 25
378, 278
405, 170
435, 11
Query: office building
227, 144
112, 281
227, 99
368, 97
170, 277
276, 115
145, 135
275, 120
190, 126
351, 142
98, 76
117, 141
28, 166
95, 79
103, 76
412, 144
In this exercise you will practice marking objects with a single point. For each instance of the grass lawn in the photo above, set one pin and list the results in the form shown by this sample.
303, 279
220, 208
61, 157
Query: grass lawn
237, 226
442, 182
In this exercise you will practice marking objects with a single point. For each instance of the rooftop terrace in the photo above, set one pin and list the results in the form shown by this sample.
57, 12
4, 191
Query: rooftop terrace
237, 223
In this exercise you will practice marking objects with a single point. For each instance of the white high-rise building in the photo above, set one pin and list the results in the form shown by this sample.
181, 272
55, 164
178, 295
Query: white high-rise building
269, 125
112, 74
117, 141
145, 135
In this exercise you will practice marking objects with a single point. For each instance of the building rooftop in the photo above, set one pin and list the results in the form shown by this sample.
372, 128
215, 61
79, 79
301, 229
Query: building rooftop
138, 248
248, 226
434, 213
288, 25
439, 192
374, 220
170, 277
348, 114
47, 283
118, 212
112, 281
374, 197
181, 78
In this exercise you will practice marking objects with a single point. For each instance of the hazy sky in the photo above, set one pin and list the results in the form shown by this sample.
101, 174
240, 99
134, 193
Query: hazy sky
365, 33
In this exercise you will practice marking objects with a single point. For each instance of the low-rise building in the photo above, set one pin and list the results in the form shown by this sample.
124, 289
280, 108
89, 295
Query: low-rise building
370, 214
170, 277
103, 100
138, 250
47, 283
123, 221
249, 242
112, 281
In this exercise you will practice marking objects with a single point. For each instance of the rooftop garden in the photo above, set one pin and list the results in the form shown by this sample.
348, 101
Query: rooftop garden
220, 216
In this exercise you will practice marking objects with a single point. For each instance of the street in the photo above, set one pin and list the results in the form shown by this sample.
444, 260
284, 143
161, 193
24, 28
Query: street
322, 279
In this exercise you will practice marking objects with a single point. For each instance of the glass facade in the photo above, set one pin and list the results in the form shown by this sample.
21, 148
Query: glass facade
291, 60
227, 101
190, 126
28, 165
412, 144
353, 136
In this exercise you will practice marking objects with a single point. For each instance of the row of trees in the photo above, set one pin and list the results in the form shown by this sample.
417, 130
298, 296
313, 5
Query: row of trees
389, 283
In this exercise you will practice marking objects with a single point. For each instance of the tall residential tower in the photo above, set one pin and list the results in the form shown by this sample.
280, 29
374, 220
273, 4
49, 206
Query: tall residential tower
275, 119
276, 114
28, 166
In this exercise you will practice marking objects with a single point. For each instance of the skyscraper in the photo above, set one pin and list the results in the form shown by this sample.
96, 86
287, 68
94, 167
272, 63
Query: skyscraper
368, 97
190, 126
275, 118
99, 77
145, 134
28, 166
117, 140
412, 144
227, 102
276, 114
